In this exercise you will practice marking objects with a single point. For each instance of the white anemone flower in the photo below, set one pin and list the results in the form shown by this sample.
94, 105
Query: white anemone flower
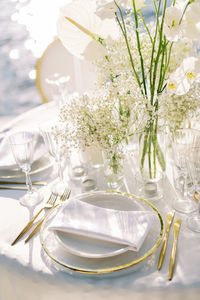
107, 8
79, 29
172, 28
182, 79
192, 21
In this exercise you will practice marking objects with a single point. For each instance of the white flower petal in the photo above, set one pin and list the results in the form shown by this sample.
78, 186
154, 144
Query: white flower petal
107, 8
172, 28
83, 13
182, 79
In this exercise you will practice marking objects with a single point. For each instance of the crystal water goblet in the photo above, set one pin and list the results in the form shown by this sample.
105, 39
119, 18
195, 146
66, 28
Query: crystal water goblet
182, 140
22, 144
193, 161
54, 146
58, 87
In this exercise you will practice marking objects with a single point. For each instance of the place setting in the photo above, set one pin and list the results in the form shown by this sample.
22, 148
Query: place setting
10, 171
106, 183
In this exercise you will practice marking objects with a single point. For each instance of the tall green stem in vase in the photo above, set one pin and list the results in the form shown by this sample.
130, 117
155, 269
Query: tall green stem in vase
154, 76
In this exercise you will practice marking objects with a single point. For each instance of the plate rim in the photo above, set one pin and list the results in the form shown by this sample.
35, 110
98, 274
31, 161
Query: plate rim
38, 170
116, 268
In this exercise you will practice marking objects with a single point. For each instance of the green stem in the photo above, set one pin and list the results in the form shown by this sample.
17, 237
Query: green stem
153, 46
144, 150
149, 152
158, 53
155, 146
139, 48
145, 25
123, 29
188, 3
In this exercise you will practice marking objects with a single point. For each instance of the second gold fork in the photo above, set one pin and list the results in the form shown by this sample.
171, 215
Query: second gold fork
50, 202
63, 197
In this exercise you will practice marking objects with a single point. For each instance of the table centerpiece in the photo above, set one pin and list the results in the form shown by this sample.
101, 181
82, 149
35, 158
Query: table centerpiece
148, 75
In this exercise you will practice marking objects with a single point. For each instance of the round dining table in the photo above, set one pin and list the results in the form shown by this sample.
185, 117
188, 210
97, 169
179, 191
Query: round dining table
27, 273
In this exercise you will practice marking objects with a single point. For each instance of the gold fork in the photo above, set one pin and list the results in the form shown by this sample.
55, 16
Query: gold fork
50, 202
63, 198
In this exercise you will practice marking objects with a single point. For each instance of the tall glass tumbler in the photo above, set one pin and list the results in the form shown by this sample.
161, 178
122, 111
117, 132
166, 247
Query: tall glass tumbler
181, 141
54, 147
193, 161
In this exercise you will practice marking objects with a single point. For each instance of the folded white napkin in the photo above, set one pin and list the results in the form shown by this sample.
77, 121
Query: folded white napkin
7, 160
124, 227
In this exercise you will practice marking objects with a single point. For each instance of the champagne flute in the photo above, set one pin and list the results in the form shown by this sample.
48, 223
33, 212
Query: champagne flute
54, 147
58, 87
193, 161
181, 142
22, 143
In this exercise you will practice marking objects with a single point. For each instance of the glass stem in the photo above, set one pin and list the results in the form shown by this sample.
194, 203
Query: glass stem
185, 193
59, 166
28, 182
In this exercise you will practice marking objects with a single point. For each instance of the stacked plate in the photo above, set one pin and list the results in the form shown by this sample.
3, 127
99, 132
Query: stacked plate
78, 253
8, 167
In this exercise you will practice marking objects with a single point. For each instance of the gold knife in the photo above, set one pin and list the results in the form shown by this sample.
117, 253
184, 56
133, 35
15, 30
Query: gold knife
23, 188
177, 226
169, 219
18, 182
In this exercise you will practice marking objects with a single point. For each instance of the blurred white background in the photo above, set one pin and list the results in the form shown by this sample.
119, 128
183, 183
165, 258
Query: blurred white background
26, 28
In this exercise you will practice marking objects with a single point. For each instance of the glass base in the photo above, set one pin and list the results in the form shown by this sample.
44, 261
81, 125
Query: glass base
193, 222
31, 199
115, 185
184, 206
150, 189
77, 172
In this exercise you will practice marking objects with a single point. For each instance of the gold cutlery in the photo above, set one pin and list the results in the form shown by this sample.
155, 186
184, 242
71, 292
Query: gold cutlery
18, 182
50, 202
3, 187
169, 219
196, 197
177, 225
63, 198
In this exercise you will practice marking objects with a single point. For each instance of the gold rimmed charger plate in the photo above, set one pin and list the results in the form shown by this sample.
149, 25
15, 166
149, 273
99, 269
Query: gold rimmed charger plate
56, 59
109, 199
38, 166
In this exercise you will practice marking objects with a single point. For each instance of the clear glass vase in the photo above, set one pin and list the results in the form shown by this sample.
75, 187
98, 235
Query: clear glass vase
113, 170
152, 163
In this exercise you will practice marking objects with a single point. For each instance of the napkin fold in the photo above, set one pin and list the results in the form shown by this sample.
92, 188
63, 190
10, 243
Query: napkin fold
123, 227
7, 160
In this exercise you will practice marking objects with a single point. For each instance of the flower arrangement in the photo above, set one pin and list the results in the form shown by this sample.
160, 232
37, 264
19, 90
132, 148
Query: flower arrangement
148, 72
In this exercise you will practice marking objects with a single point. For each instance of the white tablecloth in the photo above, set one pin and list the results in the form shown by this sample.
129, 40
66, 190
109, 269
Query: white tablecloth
27, 273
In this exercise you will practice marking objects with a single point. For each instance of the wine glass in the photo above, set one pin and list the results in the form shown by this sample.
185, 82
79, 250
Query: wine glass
181, 142
58, 87
54, 147
193, 161
22, 144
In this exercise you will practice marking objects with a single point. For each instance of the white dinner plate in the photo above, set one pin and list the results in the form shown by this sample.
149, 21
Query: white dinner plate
58, 252
38, 166
88, 247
